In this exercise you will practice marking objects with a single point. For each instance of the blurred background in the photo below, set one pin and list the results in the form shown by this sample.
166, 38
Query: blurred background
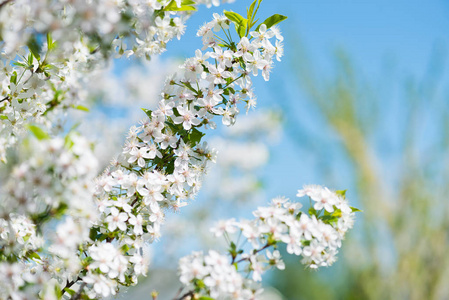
360, 102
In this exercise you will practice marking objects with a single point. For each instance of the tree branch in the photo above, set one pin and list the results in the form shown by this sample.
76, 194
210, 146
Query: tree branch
4, 3
185, 295
80, 291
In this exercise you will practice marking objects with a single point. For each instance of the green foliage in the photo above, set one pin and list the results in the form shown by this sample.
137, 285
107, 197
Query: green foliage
273, 20
80, 107
35, 47
70, 292
50, 43
186, 5
341, 193
38, 132
13, 78
356, 209
331, 218
251, 15
195, 136
147, 112
239, 21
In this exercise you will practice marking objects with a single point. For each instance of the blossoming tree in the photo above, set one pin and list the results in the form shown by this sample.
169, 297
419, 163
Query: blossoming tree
68, 232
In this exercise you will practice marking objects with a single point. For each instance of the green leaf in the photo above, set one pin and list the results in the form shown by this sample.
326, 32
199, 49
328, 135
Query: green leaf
3, 118
355, 209
35, 47
93, 233
195, 136
20, 64
273, 20
38, 132
172, 6
80, 107
70, 292
252, 15
239, 21
206, 298
241, 30
33, 255
312, 211
251, 10
235, 17
147, 112
125, 248
341, 193
14, 77
58, 291
50, 43
170, 167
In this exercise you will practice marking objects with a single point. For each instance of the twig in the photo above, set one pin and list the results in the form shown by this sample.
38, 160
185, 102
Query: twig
69, 284
255, 252
4, 3
186, 295
178, 293
78, 294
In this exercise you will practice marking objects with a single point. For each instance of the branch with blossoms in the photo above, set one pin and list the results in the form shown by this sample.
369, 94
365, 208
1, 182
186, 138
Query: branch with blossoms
164, 160
49, 49
67, 233
315, 235
162, 165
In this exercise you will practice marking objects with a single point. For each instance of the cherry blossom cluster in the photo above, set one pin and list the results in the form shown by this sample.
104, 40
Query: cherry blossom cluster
146, 25
163, 161
214, 273
50, 191
97, 228
48, 49
316, 236
233, 181
35, 91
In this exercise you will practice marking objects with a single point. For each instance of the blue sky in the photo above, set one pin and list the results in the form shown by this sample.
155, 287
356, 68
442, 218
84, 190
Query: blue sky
374, 33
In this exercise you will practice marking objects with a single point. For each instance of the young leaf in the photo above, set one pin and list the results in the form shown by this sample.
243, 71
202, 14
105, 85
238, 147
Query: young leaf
341, 193
70, 292
195, 136
81, 107
38, 132
14, 77
251, 10
35, 47
235, 17
33, 255
239, 21
355, 209
50, 43
147, 111
172, 6
273, 20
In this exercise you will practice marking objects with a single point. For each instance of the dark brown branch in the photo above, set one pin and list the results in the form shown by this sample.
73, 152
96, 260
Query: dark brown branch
69, 284
178, 293
4, 3
77, 296
255, 252
186, 295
